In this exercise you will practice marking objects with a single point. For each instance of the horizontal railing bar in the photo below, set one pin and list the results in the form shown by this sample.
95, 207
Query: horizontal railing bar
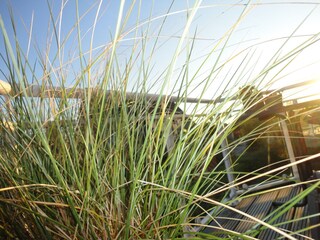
79, 93
267, 185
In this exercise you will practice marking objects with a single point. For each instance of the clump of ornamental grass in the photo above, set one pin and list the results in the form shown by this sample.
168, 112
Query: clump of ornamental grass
94, 162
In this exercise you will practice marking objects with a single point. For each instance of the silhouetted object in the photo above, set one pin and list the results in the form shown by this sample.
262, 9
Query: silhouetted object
260, 104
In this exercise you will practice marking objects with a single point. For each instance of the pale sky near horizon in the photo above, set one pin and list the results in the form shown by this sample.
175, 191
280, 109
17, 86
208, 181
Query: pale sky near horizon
265, 27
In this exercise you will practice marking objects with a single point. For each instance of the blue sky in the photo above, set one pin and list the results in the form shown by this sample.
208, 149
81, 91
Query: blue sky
260, 33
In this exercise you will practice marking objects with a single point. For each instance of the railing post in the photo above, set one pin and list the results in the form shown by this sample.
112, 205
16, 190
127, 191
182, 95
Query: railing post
287, 139
228, 164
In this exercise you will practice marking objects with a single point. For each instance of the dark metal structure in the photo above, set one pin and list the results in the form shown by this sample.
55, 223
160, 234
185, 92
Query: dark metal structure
271, 198
267, 206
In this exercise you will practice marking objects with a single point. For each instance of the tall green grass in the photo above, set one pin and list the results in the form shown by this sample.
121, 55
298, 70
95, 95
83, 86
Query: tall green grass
93, 162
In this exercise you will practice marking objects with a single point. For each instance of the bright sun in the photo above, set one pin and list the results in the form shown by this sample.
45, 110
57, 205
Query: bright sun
310, 91
306, 92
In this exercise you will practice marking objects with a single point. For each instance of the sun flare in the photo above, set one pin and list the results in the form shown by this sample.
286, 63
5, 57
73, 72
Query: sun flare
305, 92
312, 90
